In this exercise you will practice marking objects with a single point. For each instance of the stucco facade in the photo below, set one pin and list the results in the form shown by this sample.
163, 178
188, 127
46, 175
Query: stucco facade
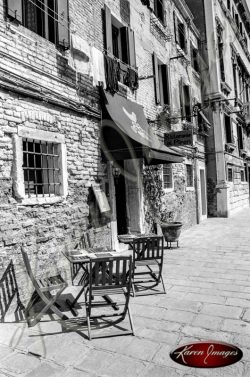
226, 90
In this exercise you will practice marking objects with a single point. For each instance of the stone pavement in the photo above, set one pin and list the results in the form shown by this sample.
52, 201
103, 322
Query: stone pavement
208, 297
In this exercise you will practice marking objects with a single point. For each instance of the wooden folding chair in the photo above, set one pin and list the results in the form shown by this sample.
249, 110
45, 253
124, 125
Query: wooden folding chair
109, 276
85, 242
147, 252
43, 288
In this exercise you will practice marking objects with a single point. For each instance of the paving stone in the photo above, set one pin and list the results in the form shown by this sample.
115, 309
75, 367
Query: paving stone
4, 352
45, 369
158, 371
19, 364
236, 326
125, 367
96, 361
207, 322
178, 316
142, 349
158, 336
207, 298
222, 311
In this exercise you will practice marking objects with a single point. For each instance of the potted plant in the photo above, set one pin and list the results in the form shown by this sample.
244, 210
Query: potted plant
171, 230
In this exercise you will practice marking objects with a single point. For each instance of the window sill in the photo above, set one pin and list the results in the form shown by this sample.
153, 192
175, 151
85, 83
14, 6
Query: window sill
168, 190
189, 188
33, 201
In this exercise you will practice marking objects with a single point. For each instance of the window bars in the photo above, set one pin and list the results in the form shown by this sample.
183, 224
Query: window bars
41, 168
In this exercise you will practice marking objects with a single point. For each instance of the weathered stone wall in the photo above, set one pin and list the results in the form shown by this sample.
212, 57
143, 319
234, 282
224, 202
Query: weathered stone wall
45, 93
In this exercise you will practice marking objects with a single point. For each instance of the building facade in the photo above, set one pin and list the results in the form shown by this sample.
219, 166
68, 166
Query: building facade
95, 98
225, 30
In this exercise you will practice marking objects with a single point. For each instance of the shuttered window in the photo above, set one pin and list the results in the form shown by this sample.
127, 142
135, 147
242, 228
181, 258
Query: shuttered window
119, 39
48, 18
159, 10
161, 80
185, 101
228, 129
180, 33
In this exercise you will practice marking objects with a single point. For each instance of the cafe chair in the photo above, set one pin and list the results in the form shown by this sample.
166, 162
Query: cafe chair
86, 242
109, 276
42, 292
148, 255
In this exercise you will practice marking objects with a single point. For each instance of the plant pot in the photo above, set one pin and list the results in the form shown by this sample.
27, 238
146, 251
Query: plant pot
171, 231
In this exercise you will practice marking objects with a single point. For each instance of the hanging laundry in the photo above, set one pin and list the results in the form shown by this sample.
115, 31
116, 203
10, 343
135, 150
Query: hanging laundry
79, 58
112, 72
131, 79
97, 67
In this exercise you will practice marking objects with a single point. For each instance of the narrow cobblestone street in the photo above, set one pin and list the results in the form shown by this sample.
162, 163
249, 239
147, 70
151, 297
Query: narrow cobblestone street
208, 297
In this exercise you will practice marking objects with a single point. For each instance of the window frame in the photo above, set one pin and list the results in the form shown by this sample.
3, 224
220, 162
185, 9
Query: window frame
61, 33
242, 175
166, 188
18, 176
231, 174
156, 10
226, 131
188, 186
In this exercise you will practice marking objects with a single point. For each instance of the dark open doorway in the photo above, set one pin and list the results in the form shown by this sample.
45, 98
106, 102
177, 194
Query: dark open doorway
121, 211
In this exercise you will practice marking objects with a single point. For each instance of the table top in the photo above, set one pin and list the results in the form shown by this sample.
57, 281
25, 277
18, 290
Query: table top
127, 238
84, 255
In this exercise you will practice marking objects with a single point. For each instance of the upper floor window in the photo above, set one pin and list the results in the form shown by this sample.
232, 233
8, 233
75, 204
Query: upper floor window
161, 78
167, 176
229, 4
230, 174
228, 129
185, 101
190, 175
47, 18
180, 33
159, 10
119, 39
220, 50
240, 138
195, 59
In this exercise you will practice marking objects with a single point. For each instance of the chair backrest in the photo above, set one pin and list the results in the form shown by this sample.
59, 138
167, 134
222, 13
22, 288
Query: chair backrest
86, 240
28, 267
110, 272
145, 248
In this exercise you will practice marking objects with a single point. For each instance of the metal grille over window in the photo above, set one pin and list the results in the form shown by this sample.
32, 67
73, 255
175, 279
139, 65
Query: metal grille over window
41, 168
167, 176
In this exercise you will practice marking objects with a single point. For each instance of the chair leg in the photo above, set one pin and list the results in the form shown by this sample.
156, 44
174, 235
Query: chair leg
131, 320
163, 285
133, 289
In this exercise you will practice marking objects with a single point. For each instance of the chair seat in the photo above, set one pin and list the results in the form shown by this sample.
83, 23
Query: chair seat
52, 283
107, 291
146, 262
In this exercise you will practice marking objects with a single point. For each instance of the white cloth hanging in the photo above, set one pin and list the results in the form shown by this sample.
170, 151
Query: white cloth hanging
97, 67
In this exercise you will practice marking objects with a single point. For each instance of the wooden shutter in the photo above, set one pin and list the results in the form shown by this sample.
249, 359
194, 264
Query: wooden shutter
131, 42
164, 13
108, 29
63, 23
182, 106
156, 79
166, 86
176, 29
14, 9
125, 44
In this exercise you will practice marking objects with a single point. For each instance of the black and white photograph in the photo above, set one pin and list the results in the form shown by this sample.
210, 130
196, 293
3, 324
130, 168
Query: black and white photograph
124, 188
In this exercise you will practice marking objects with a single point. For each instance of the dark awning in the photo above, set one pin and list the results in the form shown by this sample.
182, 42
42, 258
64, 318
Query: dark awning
129, 135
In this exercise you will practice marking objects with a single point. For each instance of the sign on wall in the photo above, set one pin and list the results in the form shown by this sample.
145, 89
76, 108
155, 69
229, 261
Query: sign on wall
176, 139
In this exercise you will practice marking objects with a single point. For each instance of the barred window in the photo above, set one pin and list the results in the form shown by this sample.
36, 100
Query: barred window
41, 168
167, 176
190, 177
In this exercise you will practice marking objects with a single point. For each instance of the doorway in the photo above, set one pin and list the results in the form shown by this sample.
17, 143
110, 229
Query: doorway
203, 193
121, 207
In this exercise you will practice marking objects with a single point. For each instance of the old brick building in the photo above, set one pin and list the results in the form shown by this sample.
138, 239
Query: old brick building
89, 91
225, 30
